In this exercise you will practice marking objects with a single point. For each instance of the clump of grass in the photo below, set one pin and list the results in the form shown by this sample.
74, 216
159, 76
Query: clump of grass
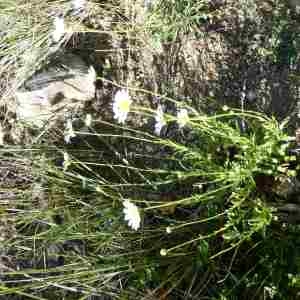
198, 193
199, 201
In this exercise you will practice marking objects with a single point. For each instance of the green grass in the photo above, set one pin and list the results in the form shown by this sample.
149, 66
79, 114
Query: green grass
207, 193
80, 238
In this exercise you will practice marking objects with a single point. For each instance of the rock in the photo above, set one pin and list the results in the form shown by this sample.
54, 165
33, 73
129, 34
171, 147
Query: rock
65, 85
295, 4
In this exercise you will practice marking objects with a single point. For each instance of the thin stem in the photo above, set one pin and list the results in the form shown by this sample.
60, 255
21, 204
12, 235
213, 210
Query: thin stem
199, 197
198, 239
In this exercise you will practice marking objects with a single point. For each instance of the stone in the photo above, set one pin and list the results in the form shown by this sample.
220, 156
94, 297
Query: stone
65, 85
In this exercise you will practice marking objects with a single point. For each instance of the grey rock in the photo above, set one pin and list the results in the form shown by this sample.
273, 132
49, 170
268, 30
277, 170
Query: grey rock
66, 84
295, 4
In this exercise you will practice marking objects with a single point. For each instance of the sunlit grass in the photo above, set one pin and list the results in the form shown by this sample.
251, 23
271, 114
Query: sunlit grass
196, 185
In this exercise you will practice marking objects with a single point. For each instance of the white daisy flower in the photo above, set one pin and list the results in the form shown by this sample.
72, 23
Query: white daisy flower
88, 120
132, 214
121, 105
182, 117
160, 120
59, 29
69, 133
169, 230
225, 108
66, 162
78, 5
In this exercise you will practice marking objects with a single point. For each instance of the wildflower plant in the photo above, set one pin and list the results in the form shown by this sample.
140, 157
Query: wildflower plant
132, 214
88, 120
200, 200
182, 117
121, 105
178, 207
69, 131
160, 121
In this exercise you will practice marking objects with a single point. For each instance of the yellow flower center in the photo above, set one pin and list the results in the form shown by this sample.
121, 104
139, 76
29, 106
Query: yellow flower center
124, 105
